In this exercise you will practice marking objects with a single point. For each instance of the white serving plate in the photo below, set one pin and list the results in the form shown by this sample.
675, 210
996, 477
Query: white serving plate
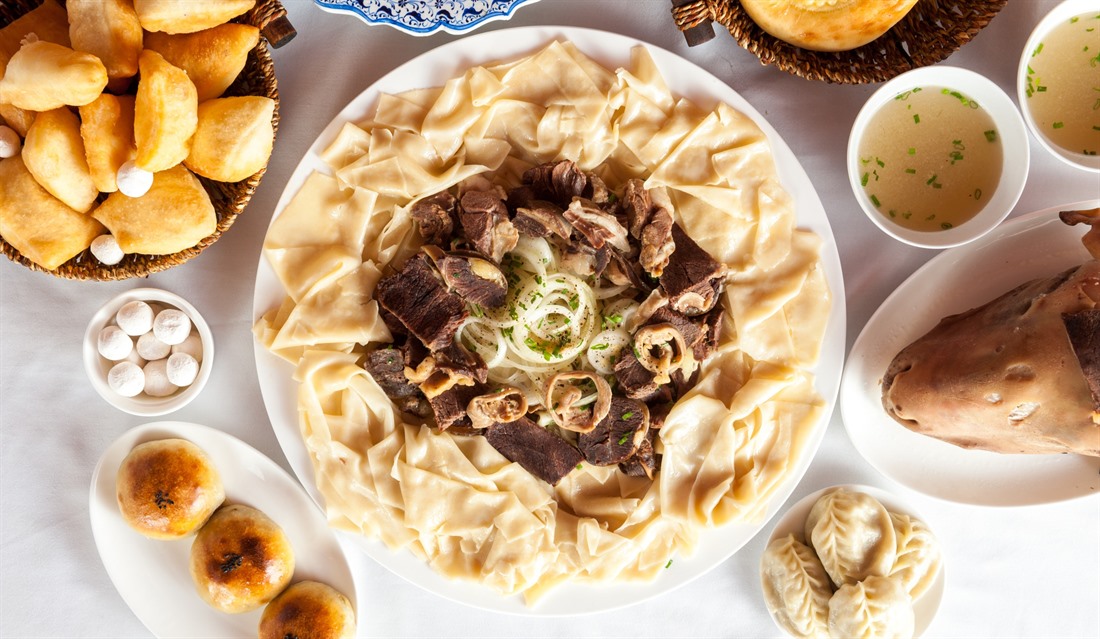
426, 17
1022, 249
153, 576
794, 520
683, 78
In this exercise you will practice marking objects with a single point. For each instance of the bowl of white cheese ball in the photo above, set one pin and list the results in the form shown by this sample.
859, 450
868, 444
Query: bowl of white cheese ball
148, 352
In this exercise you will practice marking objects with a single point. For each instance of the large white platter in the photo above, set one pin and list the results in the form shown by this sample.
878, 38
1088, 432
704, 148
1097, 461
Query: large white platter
153, 575
685, 79
1024, 248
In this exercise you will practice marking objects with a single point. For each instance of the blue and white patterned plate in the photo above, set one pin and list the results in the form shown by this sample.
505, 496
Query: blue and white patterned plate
425, 17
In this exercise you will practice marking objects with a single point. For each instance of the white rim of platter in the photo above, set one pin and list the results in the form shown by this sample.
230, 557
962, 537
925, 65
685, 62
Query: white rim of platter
684, 79
1024, 248
153, 576
794, 521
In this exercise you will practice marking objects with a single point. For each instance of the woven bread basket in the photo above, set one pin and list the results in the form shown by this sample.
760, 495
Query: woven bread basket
229, 199
931, 31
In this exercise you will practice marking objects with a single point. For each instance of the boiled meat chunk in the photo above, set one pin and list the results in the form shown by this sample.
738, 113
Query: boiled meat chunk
1005, 376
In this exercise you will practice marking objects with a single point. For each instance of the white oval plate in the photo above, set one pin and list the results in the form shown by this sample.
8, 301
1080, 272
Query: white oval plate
153, 576
1022, 249
683, 78
793, 521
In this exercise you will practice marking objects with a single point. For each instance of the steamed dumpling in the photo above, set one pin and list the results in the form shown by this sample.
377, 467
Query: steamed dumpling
853, 536
875, 608
918, 555
796, 588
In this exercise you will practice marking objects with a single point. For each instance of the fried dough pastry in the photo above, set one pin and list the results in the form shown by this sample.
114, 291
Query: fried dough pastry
165, 114
109, 30
43, 76
47, 22
54, 154
36, 223
827, 25
234, 138
188, 16
107, 127
174, 215
1020, 374
212, 58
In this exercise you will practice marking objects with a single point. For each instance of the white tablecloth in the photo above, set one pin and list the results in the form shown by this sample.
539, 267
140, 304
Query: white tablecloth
1032, 571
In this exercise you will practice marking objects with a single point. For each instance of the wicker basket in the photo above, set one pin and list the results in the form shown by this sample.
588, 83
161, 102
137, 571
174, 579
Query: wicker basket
229, 199
933, 30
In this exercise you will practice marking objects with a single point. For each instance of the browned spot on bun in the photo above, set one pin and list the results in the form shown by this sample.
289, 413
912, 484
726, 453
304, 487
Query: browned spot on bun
308, 610
168, 488
241, 559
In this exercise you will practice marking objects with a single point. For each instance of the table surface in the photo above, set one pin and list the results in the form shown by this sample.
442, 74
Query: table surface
1031, 571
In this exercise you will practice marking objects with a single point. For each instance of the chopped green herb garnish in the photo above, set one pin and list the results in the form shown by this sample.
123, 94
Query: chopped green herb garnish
880, 163
912, 150
1058, 125
911, 171
991, 135
668, 564
600, 347
1038, 50
580, 466
977, 194
931, 179
946, 225
628, 414
863, 180
916, 119
626, 436
875, 200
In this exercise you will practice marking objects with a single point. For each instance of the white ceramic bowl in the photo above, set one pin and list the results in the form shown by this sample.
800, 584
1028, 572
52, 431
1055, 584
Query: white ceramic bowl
1010, 127
1057, 16
97, 366
794, 520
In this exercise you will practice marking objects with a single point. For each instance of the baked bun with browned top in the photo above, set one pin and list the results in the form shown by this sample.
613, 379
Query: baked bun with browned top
827, 25
241, 559
308, 610
168, 488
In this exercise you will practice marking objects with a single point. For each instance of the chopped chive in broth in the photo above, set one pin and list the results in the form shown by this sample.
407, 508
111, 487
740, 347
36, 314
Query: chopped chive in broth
1064, 103
960, 156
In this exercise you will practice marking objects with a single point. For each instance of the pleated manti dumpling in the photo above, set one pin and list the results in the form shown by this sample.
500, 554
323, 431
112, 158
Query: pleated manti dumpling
918, 555
852, 535
796, 588
875, 608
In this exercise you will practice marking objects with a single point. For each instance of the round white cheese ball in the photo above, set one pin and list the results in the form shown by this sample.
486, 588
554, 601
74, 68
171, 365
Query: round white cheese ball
136, 318
172, 326
192, 346
9, 142
133, 181
126, 379
105, 248
156, 379
151, 348
182, 369
114, 344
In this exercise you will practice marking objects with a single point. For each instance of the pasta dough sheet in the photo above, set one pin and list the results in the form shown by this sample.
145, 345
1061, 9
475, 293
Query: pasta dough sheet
455, 502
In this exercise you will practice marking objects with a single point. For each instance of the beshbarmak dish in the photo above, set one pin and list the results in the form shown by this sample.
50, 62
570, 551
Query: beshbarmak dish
827, 25
724, 446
